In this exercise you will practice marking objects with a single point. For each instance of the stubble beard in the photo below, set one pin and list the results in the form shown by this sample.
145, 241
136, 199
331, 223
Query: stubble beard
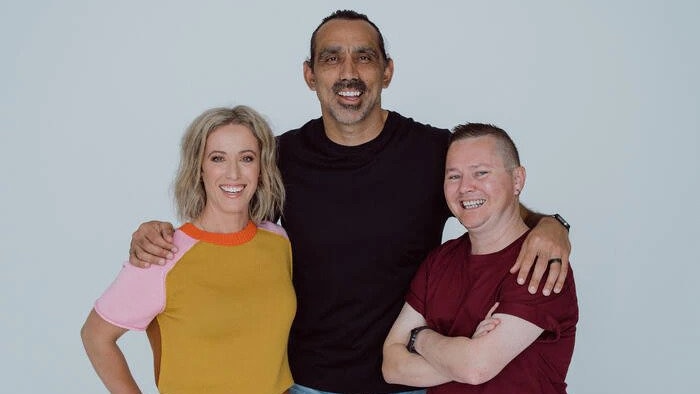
348, 114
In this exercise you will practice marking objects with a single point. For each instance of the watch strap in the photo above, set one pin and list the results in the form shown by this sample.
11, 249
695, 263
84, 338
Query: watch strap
411, 345
563, 221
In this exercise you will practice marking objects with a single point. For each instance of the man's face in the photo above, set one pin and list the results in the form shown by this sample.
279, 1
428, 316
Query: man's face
349, 71
480, 191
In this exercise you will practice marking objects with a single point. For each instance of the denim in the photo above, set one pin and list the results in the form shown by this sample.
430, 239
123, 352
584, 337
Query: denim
299, 389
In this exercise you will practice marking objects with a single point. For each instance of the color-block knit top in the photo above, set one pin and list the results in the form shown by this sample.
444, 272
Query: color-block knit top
217, 315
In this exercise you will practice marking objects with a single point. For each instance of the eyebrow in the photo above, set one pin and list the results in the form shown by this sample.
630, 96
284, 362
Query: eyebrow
470, 167
328, 51
337, 49
475, 166
368, 50
239, 152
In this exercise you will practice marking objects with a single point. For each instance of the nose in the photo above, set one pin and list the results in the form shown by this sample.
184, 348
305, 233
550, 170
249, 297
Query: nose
233, 170
466, 184
348, 69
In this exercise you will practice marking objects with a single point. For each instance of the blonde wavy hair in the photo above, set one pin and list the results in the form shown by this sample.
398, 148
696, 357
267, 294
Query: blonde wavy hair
190, 196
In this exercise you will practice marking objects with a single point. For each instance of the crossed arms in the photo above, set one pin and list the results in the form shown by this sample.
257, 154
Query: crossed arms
443, 359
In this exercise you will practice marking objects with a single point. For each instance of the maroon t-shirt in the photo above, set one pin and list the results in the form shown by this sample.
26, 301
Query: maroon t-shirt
454, 290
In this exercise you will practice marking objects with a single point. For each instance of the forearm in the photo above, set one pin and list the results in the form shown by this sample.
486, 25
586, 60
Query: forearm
100, 342
478, 360
402, 367
449, 356
531, 218
112, 368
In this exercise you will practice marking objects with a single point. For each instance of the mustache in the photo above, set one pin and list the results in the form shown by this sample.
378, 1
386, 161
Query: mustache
355, 84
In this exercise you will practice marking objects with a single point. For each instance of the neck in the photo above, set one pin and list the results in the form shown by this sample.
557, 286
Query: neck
358, 133
221, 223
498, 238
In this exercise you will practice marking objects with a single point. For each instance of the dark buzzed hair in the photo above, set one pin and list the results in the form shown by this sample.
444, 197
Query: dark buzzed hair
509, 152
349, 15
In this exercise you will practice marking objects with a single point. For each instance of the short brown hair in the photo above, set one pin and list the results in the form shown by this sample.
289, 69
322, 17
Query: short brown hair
509, 153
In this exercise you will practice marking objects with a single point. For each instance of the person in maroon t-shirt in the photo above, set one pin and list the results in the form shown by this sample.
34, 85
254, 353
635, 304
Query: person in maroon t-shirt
525, 341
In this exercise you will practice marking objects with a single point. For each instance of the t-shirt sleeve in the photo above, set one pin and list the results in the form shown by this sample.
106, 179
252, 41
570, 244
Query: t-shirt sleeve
279, 230
135, 297
555, 313
273, 228
417, 292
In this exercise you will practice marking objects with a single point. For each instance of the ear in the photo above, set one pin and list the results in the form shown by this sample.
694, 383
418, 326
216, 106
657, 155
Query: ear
518, 179
388, 73
309, 76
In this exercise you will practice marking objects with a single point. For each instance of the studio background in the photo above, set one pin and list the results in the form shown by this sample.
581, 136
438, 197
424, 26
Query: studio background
601, 98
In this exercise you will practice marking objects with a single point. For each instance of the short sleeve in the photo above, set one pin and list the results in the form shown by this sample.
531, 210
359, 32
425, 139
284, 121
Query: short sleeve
417, 292
432, 267
273, 228
135, 297
556, 313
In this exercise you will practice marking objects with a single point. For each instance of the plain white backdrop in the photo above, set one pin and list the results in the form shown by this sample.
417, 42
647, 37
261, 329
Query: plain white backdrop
602, 98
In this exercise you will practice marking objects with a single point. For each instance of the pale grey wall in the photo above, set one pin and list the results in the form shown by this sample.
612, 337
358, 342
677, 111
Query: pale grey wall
601, 97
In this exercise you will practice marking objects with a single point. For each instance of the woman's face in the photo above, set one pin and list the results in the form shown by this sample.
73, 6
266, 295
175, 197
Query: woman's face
230, 170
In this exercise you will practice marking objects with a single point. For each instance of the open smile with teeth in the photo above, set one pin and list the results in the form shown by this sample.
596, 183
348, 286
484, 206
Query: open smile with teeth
351, 93
231, 189
471, 204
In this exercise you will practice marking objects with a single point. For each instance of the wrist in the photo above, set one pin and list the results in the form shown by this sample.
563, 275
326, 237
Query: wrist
561, 221
413, 339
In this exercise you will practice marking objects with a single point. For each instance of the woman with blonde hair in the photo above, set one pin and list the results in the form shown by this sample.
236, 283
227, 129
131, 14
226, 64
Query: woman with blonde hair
218, 312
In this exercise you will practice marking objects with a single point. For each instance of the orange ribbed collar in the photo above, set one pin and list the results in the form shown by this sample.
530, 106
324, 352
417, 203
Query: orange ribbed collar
236, 238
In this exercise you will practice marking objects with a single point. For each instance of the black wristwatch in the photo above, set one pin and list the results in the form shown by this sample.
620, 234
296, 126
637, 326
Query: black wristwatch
411, 345
563, 221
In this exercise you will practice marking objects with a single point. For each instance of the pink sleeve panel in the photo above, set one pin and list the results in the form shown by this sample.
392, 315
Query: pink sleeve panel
273, 228
137, 295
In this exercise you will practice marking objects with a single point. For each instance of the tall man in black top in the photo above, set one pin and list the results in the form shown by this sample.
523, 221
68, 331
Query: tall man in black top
364, 207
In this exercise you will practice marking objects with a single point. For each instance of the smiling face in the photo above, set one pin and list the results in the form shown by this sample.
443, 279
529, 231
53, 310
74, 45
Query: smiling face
481, 190
230, 172
348, 72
